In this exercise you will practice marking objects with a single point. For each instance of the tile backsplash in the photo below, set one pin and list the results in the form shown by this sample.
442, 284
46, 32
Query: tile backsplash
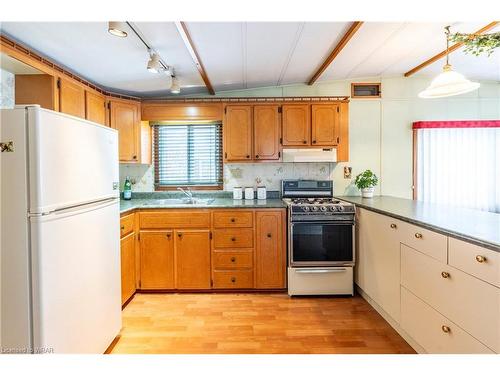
244, 174
6, 89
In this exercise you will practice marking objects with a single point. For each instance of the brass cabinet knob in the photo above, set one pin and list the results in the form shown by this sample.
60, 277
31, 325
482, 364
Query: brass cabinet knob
393, 226
314, 141
122, 227
445, 275
256, 156
480, 258
446, 329
233, 259
134, 157
179, 235
233, 239
304, 141
269, 235
233, 279
233, 220
248, 156
418, 235
168, 235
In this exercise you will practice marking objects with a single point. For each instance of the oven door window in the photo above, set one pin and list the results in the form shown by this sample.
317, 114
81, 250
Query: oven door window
319, 242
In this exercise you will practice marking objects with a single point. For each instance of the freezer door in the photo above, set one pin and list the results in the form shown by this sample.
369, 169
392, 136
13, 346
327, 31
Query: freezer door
76, 283
71, 161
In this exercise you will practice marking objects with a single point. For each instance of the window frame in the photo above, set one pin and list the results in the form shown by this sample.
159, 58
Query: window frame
156, 161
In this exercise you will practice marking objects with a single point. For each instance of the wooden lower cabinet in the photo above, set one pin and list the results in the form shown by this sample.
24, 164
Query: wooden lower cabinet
127, 256
192, 259
157, 260
269, 251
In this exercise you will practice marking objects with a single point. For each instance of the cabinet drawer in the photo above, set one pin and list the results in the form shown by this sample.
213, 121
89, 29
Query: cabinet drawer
475, 260
428, 242
227, 238
127, 225
472, 304
233, 219
233, 279
232, 259
175, 219
434, 332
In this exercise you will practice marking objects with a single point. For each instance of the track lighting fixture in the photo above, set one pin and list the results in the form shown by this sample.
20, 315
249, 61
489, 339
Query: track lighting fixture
175, 88
154, 65
117, 28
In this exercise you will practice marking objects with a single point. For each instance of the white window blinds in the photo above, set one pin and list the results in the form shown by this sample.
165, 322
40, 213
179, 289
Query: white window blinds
187, 155
459, 166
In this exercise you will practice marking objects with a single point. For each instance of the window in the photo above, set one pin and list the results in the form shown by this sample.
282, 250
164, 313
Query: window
187, 155
458, 163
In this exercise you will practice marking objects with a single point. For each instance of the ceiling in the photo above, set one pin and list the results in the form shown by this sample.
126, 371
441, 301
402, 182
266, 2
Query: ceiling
238, 55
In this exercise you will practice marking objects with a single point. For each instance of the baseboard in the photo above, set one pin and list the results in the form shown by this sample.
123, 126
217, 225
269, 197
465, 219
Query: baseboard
391, 321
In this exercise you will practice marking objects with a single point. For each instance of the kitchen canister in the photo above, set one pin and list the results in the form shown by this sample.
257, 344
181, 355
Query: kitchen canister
249, 194
238, 192
261, 192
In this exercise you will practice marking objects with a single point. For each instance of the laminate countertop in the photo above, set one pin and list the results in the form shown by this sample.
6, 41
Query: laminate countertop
133, 204
481, 228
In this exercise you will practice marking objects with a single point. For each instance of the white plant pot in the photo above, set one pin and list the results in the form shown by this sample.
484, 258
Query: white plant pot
367, 192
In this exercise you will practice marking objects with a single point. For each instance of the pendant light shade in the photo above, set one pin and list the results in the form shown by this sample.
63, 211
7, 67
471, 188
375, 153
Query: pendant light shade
448, 83
175, 88
117, 28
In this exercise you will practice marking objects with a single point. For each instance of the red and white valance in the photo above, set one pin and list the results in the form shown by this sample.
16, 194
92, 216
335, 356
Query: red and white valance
456, 124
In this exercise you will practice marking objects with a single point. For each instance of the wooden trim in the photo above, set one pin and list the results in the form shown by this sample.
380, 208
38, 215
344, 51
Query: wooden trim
414, 164
339, 47
250, 100
354, 84
454, 47
188, 42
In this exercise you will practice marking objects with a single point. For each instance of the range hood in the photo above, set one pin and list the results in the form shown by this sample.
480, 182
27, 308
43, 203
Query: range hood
309, 155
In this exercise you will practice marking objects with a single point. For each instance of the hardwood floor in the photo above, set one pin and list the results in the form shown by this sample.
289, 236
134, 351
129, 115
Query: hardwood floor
254, 323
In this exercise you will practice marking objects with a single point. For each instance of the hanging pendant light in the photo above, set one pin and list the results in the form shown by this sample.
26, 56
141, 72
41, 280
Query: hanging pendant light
448, 83
175, 88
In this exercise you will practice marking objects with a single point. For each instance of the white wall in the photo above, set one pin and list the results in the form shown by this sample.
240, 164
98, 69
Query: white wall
380, 133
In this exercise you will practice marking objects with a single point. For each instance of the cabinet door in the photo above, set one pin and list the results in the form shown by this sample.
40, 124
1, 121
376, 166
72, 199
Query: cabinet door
266, 127
95, 107
270, 255
71, 98
127, 252
296, 125
192, 259
238, 133
325, 124
378, 260
125, 118
157, 260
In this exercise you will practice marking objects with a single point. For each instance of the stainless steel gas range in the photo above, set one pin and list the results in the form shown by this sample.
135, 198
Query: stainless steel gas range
320, 239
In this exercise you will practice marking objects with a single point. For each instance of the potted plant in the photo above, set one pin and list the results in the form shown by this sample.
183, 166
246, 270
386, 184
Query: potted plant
366, 182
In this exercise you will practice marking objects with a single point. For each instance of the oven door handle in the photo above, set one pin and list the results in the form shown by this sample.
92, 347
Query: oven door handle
330, 270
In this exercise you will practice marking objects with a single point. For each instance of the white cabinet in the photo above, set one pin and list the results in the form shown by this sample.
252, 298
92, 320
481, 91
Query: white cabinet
377, 261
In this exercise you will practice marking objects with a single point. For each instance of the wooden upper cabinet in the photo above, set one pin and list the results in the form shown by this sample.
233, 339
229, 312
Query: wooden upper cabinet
157, 260
95, 107
127, 257
71, 98
270, 254
238, 132
296, 124
38, 89
266, 125
192, 259
124, 117
325, 124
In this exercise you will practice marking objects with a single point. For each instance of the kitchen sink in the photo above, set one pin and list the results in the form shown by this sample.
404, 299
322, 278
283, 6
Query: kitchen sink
176, 201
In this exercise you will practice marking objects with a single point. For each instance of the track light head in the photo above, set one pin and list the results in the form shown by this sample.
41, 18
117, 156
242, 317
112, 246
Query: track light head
154, 65
175, 88
117, 28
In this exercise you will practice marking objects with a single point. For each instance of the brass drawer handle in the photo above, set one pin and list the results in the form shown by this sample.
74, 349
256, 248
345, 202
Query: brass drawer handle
233, 279
269, 235
233, 259
445, 275
233, 239
446, 329
480, 258
393, 226
233, 220
418, 235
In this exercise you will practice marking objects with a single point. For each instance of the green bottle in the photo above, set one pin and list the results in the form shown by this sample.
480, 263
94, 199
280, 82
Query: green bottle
127, 189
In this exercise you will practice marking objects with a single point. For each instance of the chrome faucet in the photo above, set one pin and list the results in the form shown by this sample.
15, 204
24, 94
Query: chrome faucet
188, 193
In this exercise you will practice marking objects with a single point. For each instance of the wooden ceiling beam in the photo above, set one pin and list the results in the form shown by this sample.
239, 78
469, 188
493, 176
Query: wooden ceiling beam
339, 47
452, 48
188, 42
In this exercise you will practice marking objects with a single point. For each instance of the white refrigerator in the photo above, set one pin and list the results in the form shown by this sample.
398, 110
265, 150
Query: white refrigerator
60, 249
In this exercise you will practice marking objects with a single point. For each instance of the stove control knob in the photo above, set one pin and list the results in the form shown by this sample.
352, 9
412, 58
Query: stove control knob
315, 208
333, 208
323, 208
305, 208
340, 208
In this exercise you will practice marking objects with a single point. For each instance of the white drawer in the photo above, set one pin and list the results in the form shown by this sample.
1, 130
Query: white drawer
426, 241
469, 302
475, 260
318, 281
434, 332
